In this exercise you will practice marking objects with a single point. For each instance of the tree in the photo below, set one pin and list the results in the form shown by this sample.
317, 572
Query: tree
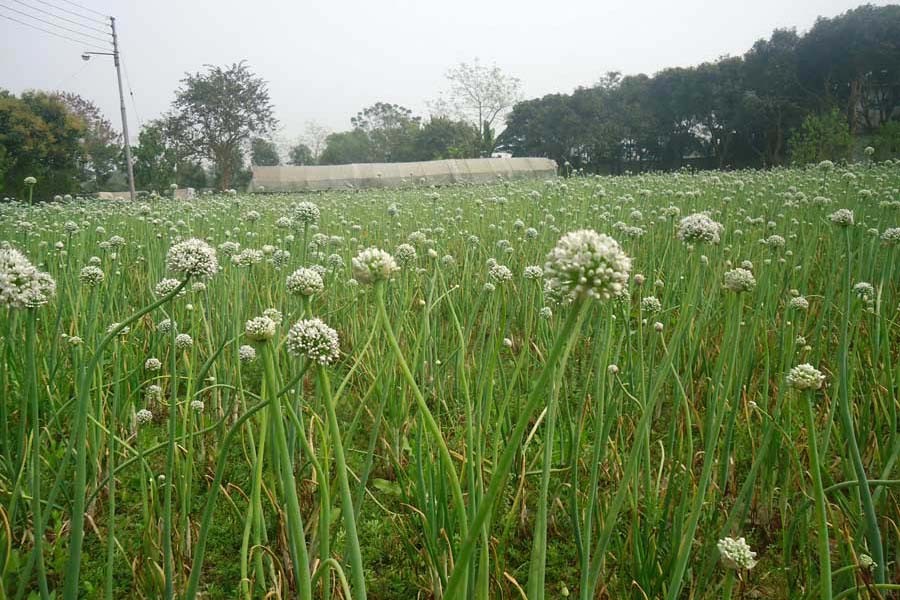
301, 155
822, 137
314, 136
887, 141
773, 98
263, 153
853, 61
218, 111
101, 143
158, 162
235, 169
479, 95
390, 129
39, 137
444, 138
347, 147
154, 158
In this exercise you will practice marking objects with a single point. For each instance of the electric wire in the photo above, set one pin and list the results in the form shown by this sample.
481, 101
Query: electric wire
53, 33
50, 23
61, 18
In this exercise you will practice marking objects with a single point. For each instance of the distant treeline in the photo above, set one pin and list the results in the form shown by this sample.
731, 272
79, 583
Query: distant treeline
789, 98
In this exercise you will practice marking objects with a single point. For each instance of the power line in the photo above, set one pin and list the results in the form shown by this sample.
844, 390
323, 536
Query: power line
68, 78
55, 16
51, 24
53, 33
73, 13
85, 8
131, 93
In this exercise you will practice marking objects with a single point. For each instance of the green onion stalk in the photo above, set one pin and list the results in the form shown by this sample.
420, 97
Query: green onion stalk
76, 536
872, 531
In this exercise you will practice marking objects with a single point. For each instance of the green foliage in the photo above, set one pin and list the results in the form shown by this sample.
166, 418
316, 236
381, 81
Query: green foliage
40, 137
734, 112
300, 155
158, 162
444, 138
887, 141
154, 158
390, 130
347, 147
216, 112
667, 439
264, 153
390, 133
821, 137
230, 173
101, 144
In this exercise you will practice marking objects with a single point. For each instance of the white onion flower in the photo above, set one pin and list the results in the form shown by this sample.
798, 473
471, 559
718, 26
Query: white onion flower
500, 273
699, 227
584, 264
22, 285
405, 254
305, 282
306, 213
651, 304
91, 276
805, 377
143, 417
891, 235
167, 286
260, 329
372, 265
799, 303
736, 553
533, 272
739, 280
166, 326
246, 354
315, 340
842, 217
192, 258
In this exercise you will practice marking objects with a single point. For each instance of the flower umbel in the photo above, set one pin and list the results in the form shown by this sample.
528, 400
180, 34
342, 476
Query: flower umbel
315, 340
805, 377
372, 265
585, 263
736, 553
193, 257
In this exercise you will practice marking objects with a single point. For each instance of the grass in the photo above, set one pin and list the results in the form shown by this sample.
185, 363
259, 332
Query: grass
474, 438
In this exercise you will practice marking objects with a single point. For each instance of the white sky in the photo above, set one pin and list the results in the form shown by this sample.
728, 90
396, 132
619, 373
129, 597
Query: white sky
325, 61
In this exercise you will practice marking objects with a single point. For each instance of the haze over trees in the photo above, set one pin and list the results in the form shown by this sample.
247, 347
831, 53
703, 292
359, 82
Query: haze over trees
790, 98
735, 112
481, 96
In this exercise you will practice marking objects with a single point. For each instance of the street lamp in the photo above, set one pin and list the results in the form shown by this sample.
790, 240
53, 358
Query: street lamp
86, 56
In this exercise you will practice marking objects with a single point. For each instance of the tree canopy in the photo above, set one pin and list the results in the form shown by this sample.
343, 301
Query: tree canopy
264, 153
40, 137
218, 111
735, 112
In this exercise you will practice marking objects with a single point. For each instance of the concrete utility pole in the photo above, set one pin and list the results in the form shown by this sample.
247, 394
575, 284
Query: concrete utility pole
115, 55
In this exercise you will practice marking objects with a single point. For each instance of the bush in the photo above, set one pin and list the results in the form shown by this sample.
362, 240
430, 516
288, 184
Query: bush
887, 141
821, 137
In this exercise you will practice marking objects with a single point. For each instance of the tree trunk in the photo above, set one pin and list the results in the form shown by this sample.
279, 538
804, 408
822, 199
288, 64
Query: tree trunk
224, 163
853, 104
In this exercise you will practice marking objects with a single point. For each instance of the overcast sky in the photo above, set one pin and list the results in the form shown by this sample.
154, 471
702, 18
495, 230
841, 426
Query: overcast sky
326, 60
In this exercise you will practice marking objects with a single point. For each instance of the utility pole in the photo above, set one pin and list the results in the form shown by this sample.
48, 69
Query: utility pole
115, 54
115, 41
